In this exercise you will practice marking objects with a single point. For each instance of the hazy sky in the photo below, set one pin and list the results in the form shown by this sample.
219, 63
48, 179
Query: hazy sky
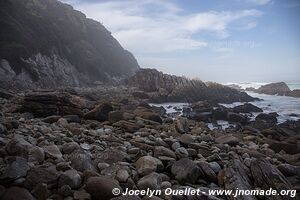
217, 40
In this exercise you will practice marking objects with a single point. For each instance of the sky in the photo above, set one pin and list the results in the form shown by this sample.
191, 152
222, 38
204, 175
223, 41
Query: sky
214, 40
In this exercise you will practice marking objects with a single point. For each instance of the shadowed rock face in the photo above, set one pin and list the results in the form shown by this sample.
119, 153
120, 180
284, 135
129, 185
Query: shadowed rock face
280, 88
168, 88
47, 43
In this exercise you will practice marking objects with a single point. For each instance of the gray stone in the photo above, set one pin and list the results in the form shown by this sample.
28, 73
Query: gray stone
186, 171
151, 181
147, 164
52, 151
71, 178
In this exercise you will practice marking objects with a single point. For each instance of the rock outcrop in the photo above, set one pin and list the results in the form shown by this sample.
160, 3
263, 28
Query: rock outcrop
280, 88
47, 43
170, 88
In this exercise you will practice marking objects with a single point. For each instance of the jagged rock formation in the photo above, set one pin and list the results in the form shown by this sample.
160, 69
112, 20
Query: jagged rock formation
46, 43
280, 88
170, 88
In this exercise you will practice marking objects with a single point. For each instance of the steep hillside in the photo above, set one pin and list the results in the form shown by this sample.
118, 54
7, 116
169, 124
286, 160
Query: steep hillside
48, 43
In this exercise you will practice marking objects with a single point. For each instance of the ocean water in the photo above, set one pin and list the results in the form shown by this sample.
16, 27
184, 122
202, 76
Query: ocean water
288, 108
292, 84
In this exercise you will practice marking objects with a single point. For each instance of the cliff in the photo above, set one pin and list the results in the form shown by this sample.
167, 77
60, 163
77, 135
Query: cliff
47, 43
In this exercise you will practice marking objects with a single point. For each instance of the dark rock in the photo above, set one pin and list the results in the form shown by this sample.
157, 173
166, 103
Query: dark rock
115, 116
52, 151
235, 175
16, 193
51, 119
147, 114
2, 129
18, 147
235, 117
186, 171
100, 112
37, 175
127, 126
270, 118
279, 88
41, 191
163, 151
100, 188
70, 178
76, 51
72, 118
246, 108
227, 139
17, 168
289, 148
147, 164
168, 88
220, 113
268, 176
289, 170
182, 125
151, 181
81, 161
46, 104
110, 156
209, 174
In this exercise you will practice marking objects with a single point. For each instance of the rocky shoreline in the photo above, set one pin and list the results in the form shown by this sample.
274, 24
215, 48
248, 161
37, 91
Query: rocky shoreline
80, 144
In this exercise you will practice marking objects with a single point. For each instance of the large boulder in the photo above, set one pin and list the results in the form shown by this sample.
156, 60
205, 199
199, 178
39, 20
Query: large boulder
246, 108
43, 104
279, 88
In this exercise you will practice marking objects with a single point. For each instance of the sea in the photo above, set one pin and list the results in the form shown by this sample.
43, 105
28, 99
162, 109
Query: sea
288, 108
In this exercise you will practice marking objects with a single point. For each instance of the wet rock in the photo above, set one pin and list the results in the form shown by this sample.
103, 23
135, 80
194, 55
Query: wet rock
234, 117
100, 112
186, 171
246, 108
151, 181
71, 178
16, 193
2, 129
270, 118
72, 118
227, 139
100, 188
52, 151
147, 164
